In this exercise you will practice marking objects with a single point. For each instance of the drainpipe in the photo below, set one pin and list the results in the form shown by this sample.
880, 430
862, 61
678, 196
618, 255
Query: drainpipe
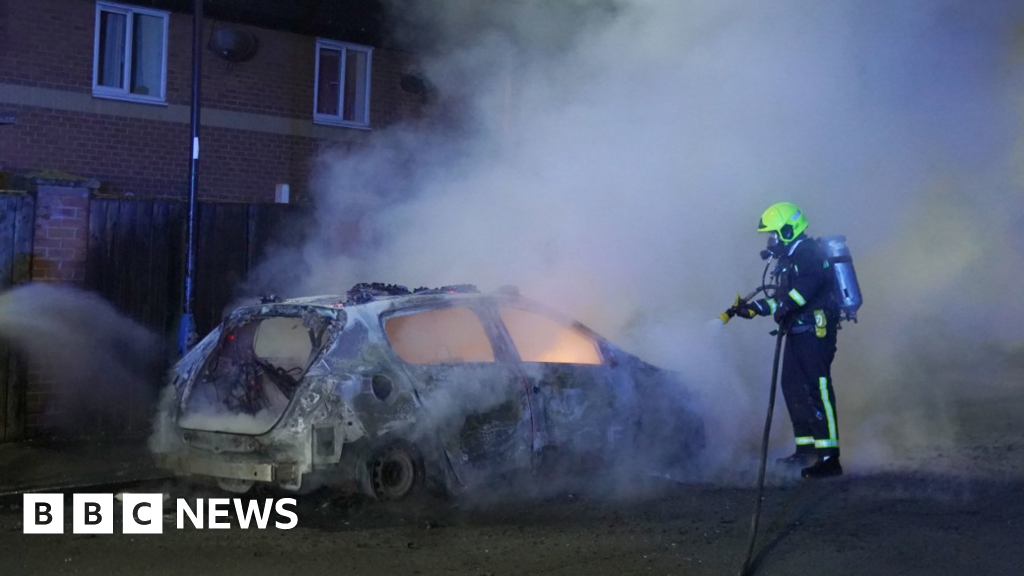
187, 327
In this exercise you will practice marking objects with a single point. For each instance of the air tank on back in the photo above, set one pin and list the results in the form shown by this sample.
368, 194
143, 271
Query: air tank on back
847, 289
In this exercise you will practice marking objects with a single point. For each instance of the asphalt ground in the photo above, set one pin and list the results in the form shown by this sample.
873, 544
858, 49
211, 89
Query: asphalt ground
951, 510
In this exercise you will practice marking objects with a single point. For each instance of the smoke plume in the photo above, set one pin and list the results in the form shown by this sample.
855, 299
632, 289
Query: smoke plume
95, 360
611, 159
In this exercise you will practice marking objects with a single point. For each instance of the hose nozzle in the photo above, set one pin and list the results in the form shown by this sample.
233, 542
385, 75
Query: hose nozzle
728, 314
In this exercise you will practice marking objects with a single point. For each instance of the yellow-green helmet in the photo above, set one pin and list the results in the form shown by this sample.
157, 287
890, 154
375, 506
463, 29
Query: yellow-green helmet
785, 218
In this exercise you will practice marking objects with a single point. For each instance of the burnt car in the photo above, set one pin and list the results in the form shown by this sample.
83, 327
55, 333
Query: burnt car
389, 392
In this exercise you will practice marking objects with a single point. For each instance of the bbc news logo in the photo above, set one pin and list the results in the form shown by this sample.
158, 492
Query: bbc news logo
144, 513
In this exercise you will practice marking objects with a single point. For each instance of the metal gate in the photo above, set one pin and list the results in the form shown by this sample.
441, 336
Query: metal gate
17, 219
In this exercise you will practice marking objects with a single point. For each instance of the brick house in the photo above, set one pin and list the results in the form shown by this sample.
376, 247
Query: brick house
258, 126
101, 90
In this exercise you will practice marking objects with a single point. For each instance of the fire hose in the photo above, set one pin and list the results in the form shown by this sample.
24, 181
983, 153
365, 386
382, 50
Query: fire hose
755, 518
747, 569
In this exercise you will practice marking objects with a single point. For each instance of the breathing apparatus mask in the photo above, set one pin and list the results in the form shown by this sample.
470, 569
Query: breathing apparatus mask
775, 249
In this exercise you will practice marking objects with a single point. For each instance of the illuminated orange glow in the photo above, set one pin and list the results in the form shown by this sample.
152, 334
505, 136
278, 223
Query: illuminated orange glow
542, 339
443, 336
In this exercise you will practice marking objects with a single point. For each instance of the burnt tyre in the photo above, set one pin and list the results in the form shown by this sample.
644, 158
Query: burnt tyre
397, 473
235, 486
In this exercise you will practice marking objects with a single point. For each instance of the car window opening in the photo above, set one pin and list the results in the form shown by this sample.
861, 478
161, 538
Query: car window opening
247, 384
539, 338
442, 336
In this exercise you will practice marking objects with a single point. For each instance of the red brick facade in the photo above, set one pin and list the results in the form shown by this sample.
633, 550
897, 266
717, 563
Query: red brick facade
48, 45
61, 235
257, 130
58, 256
150, 158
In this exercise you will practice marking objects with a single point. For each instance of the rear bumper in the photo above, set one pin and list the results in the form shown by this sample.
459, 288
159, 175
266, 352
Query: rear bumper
286, 474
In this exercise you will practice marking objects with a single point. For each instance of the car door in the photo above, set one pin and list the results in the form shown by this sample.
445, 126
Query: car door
577, 395
474, 401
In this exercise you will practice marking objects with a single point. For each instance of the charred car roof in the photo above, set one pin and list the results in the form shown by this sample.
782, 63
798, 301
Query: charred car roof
386, 296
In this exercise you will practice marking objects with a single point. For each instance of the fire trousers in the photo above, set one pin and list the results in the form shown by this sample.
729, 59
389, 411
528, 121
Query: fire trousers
807, 387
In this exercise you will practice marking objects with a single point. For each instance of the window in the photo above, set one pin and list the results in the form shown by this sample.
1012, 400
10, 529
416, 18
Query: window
246, 384
443, 336
342, 91
284, 342
130, 59
542, 339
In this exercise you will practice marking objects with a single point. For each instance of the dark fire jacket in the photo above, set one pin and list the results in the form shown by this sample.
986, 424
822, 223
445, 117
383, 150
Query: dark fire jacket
805, 285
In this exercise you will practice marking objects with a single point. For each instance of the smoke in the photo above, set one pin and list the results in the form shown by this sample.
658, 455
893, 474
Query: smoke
94, 361
611, 159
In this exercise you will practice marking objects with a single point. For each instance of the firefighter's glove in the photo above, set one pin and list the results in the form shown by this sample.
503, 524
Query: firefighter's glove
745, 310
783, 315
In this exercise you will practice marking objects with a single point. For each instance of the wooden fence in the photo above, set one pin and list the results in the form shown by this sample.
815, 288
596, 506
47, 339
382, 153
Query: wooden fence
17, 220
136, 256
136, 260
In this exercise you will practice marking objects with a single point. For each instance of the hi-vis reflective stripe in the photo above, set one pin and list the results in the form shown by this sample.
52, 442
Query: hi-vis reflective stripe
832, 441
772, 304
804, 440
797, 297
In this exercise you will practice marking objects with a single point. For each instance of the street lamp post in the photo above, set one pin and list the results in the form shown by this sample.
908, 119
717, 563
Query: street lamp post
187, 326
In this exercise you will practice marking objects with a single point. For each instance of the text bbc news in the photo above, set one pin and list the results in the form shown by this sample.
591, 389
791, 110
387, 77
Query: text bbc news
144, 513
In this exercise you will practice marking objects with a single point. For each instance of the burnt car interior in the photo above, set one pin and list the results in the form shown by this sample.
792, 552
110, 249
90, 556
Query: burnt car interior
539, 338
254, 372
441, 336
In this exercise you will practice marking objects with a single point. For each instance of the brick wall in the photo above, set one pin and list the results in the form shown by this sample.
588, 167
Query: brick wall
136, 155
43, 409
49, 44
150, 158
58, 256
61, 235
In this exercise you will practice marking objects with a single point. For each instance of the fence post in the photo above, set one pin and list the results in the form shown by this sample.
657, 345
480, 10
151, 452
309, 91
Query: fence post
60, 230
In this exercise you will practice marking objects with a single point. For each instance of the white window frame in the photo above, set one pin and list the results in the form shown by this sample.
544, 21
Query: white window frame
125, 93
336, 119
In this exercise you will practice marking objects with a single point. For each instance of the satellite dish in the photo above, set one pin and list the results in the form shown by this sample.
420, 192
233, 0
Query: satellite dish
415, 83
234, 45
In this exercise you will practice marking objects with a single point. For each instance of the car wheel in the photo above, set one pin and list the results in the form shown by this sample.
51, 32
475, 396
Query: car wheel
396, 472
234, 486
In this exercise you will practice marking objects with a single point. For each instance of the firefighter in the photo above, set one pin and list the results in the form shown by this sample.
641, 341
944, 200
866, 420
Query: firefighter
804, 306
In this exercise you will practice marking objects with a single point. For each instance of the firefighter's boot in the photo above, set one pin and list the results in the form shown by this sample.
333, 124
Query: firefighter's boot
799, 458
824, 467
